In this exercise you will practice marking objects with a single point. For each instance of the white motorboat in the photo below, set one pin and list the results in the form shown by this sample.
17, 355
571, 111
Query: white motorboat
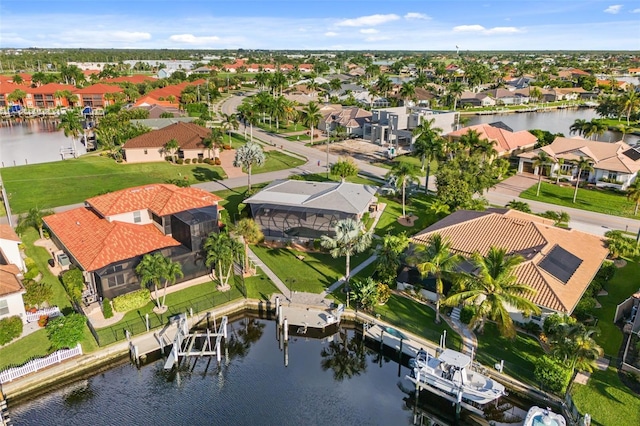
543, 417
451, 373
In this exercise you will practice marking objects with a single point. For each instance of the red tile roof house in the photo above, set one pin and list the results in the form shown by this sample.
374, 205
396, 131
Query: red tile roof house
6, 88
558, 263
94, 96
108, 237
170, 94
504, 141
11, 268
615, 165
45, 96
150, 146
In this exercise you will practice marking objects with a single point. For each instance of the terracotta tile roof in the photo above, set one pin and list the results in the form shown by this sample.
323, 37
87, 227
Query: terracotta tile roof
51, 88
7, 233
174, 90
503, 140
532, 237
188, 135
95, 242
161, 199
9, 282
6, 87
98, 88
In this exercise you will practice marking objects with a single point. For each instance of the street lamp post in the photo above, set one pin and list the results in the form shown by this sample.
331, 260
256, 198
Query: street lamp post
328, 142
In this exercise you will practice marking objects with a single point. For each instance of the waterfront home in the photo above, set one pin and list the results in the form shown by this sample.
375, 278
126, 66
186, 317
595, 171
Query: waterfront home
150, 146
615, 165
352, 119
108, 237
294, 209
558, 263
49, 95
504, 141
168, 95
476, 99
96, 95
11, 268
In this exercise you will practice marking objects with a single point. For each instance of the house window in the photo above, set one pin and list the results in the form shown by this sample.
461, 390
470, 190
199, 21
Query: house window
115, 280
137, 218
4, 307
145, 152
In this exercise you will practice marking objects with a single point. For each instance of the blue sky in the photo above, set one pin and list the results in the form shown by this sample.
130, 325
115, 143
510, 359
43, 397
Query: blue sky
326, 25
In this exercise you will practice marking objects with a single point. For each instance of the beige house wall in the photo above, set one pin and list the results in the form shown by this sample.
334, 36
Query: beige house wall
144, 155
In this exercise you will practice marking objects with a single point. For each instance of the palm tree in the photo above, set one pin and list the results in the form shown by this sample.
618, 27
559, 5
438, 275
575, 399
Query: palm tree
404, 174
251, 233
437, 260
72, 127
519, 205
151, 270
311, 116
633, 194
384, 84
630, 102
350, 238
539, 161
455, 89
171, 271
212, 140
389, 256
578, 127
407, 91
230, 122
345, 357
583, 164
560, 163
428, 142
247, 156
33, 219
491, 289
595, 128
172, 147
220, 252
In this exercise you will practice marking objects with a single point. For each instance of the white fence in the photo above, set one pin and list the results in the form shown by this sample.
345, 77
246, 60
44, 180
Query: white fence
39, 363
52, 312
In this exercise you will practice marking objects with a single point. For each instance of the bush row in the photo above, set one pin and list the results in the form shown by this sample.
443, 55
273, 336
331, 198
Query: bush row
134, 300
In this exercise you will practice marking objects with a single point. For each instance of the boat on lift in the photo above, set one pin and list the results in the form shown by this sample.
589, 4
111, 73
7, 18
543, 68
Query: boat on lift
538, 416
452, 373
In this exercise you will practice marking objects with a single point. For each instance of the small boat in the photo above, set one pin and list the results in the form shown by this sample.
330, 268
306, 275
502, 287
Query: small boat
543, 417
451, 373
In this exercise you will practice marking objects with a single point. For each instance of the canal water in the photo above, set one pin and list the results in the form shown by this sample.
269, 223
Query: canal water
335, 380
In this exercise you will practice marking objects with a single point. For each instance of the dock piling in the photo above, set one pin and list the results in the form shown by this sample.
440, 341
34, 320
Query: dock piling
285, 330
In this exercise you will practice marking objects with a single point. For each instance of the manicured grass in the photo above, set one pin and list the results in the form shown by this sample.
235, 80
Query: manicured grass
72, 181
418, 205
607, 399
313, 274
622, 285
409, 159
32, 346
277, 160
595, 200
519, 354
303, 137
284, 127
232, 198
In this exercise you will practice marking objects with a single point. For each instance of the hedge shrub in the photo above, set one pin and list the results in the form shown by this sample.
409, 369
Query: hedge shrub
29, 263
134, 300
187, 161
73, 282
107, 310
67, 331
10, 328
37, 292
552, 374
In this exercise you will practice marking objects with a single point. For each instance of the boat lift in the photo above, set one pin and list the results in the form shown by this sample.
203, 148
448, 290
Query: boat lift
184, 342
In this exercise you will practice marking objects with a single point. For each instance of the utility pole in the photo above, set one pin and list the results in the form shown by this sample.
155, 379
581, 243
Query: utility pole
328, 142
5, 199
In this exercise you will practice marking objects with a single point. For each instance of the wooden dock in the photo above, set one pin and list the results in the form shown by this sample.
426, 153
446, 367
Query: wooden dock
309, 317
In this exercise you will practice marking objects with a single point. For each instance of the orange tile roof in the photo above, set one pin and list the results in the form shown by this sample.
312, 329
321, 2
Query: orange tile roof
174, 90
6, 87
51, 88
98, 88
162, 199
532, 237
95, 242
503, 140
9, 281
7, 233
188, 135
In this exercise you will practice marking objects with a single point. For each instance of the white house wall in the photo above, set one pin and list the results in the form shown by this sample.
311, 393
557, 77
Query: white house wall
128, 217
11, 250
15, 305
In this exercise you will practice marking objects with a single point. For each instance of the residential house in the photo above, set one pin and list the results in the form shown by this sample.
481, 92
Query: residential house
305, 68
559, 264
45, 96
109, 236
306, 210
11, 269
150, 146
476, 100
95, 96
6, 88
352, 119
168, 95
614, 165
505, 141
508, 97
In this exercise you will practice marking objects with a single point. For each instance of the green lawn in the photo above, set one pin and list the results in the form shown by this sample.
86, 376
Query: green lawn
277, 160
624, 284
519, 355
295, 138
313, 274
284, 127
32, 346
595, 200
409, 159
418, 205
72, 181
607, 399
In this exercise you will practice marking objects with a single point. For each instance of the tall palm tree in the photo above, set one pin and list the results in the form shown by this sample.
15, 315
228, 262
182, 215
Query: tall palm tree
633, 194
212, 140
389, 256
578, 127
630, 102
491, 288
541, 160
151, 270
220, 252
172, 146
384, 84
172, 270
251, 233
230, 122
72, 127
583, 164
407, 91
437, 260
595, 128
429, 145
455, 89
311, 116
247, 156
33, 219
404, 174
350, 238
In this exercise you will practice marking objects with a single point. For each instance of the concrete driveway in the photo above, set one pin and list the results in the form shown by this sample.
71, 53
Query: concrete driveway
514, 185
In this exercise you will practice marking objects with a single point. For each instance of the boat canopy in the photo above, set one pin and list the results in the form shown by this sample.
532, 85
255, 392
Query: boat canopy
455, 359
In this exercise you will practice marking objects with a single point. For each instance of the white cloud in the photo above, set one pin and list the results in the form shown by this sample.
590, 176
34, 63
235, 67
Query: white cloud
488, 31
636, 10
191, 39
368, 21
330, 34
416, 15
369, 31
613, 9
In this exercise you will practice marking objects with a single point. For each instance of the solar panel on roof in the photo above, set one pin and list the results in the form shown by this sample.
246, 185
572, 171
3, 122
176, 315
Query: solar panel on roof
633, 153
560, 263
